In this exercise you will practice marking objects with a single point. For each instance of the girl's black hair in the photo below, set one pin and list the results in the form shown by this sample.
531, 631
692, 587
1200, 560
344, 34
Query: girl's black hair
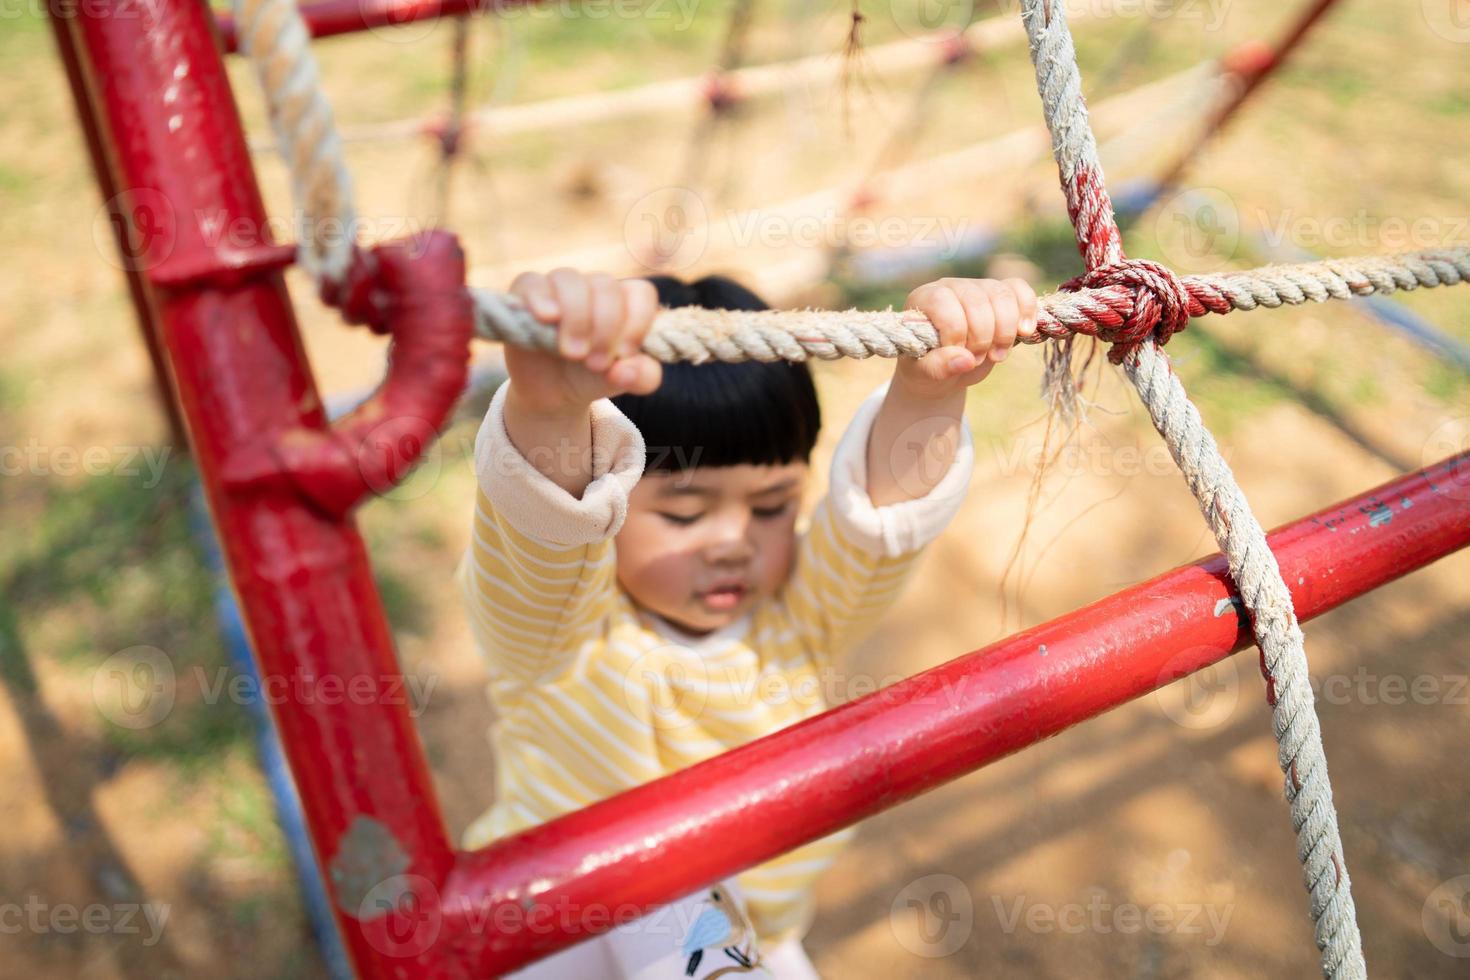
720, 414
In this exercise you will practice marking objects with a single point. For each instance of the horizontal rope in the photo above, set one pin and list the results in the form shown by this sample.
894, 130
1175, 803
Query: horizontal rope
698, 335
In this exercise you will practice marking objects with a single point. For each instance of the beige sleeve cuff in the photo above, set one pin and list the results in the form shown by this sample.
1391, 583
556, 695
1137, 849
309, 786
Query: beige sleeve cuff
900, 528
536, 506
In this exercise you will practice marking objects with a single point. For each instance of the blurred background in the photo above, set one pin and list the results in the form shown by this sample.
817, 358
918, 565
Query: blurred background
844, 180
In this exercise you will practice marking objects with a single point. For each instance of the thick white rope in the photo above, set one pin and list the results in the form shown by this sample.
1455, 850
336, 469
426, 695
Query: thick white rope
699, 335
274, 37
1252, 565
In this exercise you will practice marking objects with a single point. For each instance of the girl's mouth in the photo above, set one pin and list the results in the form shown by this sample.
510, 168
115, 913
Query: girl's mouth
723, 597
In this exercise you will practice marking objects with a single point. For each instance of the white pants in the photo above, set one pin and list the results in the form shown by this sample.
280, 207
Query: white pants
651, 949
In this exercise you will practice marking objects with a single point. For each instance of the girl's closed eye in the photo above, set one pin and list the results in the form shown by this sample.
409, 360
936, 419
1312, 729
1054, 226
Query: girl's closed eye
771, 512
683, 520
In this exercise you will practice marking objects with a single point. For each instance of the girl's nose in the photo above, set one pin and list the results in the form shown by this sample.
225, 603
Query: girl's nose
729, 538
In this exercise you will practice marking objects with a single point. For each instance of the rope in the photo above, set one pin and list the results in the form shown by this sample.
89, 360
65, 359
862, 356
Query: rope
1118, 303
274, 37
1252, 565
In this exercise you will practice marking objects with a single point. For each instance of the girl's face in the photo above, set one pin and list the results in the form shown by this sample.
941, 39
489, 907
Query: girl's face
702, 546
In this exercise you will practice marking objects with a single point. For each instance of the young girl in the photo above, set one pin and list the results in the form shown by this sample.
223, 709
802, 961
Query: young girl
640, 593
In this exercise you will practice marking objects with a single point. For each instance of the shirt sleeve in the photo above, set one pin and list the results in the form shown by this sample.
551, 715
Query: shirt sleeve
854, 560
539, 577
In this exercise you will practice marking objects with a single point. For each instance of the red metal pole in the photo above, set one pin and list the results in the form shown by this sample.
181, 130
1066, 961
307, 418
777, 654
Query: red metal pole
542, 889
1252, 64
153, 76
133, 255
328, 18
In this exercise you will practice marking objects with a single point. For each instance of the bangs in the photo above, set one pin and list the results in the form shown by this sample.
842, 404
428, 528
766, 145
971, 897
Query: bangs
727, 414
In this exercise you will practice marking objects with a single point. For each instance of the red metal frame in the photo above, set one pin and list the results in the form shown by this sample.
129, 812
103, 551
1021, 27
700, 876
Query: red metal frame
1252, 63
281, 484
329, 18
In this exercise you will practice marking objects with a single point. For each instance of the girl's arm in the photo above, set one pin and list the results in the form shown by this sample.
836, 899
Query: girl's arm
901, 470
555, 463
601, 323
917, 430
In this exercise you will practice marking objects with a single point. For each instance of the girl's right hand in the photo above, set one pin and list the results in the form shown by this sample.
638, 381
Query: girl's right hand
601, 323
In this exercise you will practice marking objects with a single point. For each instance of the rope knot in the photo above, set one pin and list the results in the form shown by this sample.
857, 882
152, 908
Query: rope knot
1160, 303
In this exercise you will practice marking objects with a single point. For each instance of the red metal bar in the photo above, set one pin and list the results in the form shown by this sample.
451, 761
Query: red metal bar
539, 890
133, 255
328, 18
1252, 63
156, 84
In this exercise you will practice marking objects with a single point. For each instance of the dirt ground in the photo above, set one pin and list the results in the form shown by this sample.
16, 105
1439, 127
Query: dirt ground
1149, 843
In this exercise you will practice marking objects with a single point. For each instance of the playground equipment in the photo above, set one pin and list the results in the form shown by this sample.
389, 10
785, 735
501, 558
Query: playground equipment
281, 486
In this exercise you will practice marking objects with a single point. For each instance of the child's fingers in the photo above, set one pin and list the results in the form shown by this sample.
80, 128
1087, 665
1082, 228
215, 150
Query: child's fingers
943, 363
640, 300
606, 319
979, 316
1007, 318
637, 375
572, 295
1026, 299
939, 303
534, 290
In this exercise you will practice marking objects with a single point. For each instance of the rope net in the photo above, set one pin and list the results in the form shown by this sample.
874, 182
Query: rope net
1133, 305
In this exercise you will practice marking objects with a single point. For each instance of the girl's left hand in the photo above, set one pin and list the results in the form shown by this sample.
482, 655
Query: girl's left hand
978, 320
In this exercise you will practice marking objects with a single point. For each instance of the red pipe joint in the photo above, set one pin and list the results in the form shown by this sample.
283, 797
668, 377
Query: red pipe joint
413, 290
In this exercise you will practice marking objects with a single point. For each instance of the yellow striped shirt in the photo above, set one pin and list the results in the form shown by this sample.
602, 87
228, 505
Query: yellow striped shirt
594, 695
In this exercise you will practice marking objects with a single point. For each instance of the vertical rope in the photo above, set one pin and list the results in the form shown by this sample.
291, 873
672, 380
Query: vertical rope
1252, 565
274, 37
